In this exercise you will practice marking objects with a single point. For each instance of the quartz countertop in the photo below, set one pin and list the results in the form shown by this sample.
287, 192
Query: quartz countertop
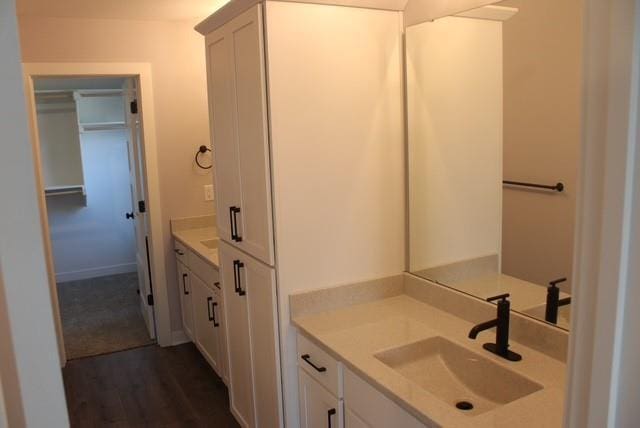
355, 333
191, 231
524, 294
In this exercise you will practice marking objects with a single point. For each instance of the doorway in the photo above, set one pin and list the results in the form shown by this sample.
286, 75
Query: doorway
93, 179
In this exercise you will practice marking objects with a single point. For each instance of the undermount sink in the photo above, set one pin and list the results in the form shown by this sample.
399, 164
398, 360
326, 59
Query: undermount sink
211, 244
457, 376
564, 314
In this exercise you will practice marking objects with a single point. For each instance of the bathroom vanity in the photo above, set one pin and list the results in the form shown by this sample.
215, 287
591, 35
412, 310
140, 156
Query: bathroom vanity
198, 283
396, 352
328, 123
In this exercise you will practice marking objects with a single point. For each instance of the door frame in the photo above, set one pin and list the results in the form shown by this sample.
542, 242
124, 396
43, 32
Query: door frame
609, 212
141, 72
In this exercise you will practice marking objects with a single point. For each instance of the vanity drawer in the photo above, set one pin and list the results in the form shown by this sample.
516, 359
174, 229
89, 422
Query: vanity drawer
203, 269
320, 365
181, 251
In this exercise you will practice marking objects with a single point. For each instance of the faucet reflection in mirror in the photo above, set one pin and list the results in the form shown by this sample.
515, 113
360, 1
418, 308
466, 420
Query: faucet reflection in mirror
493, 137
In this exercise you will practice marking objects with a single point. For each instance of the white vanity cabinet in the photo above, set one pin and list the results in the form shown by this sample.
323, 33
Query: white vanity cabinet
365, 406
318, 407
333, 396
250, 297
319, 387
208, 324
238, 109
184, 287
202, 305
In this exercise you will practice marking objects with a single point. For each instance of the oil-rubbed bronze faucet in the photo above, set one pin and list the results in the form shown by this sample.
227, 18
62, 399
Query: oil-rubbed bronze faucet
554, 301
501, 323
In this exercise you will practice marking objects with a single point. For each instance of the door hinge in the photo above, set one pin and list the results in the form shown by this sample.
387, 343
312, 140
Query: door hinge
150, 299
142, 207
134, 106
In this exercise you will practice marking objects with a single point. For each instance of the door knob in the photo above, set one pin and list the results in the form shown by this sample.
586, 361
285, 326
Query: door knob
129, 215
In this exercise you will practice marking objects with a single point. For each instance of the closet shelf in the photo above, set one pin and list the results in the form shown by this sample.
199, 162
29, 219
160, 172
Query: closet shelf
64, 190
102, 126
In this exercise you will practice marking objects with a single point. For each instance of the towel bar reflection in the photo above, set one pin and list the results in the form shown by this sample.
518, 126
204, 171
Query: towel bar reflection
558, 187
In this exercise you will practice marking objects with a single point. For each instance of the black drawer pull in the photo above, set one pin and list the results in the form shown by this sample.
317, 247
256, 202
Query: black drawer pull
330, 413
234, 212
232, 224
179, 252
307, 359
209, 299
215, 323
184, 284
235, 275
237, 265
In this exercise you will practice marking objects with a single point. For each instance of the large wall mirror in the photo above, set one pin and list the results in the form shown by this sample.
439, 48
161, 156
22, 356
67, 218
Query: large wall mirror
494, 111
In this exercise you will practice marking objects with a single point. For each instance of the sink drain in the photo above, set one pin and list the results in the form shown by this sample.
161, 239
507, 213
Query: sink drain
464, 405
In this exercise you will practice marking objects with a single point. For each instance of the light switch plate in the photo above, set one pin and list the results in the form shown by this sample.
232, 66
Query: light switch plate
208, 192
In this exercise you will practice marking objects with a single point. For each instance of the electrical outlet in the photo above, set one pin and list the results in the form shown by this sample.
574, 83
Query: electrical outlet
208, 192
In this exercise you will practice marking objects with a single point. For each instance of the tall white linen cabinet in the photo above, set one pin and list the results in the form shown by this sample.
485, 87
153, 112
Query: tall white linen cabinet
307, 118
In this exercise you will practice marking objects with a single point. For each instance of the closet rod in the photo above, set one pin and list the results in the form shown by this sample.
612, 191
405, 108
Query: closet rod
558, 187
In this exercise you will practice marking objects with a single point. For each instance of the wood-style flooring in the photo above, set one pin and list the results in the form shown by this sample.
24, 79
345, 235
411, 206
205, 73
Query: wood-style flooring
146, 387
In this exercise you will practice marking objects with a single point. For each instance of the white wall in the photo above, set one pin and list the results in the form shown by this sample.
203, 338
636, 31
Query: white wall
542, 113
29, 362
96, 239
337, 153
176, 54
454, 90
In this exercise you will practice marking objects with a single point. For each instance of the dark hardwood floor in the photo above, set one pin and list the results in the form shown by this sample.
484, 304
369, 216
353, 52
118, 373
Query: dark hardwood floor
146, 387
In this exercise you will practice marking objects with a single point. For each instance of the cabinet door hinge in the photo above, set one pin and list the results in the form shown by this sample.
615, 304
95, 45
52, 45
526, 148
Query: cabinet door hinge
134, 106
142, 207
150, 299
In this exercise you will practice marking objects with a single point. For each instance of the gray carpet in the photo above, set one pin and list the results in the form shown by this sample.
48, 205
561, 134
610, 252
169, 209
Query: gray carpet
101, 315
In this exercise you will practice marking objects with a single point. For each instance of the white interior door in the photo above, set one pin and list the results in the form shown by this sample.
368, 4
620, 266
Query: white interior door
138, 200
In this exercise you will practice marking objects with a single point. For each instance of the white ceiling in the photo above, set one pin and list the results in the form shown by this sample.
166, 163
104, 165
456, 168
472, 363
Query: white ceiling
155, 10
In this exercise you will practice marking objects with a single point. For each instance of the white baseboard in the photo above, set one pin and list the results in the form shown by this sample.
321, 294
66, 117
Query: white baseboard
179, 337
95, 272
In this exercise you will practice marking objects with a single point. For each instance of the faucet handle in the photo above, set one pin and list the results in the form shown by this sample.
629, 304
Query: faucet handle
502, 297
555, 282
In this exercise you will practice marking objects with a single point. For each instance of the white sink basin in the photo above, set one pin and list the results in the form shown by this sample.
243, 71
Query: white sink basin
564, 314
211, 244
456, 375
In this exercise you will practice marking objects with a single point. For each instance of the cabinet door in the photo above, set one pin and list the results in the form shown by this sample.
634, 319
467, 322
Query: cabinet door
318, 407
255, 224
351, 420
237, 320
184, 287
206, 324
223, 363
251, 314
365, 406
222, 119
237, 99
